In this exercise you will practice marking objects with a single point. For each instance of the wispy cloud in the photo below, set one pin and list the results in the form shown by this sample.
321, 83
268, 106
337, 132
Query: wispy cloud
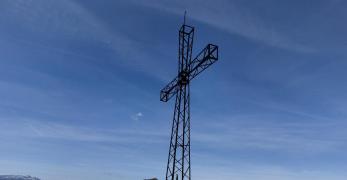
66, 17
259, 133
137, 116
231, 17
51, 130
72, 21
262, 172
239, 132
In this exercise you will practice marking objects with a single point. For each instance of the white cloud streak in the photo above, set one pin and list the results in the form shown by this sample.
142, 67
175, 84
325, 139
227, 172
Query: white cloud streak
63, 17
231, 17
69, 19
137, 116
262, 172
230, 134
28, 128
257, 133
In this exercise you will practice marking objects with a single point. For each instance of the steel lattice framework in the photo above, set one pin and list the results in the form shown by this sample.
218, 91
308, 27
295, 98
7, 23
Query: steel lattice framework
178, 165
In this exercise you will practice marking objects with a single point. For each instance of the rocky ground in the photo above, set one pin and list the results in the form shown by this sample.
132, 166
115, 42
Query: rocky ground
14, 177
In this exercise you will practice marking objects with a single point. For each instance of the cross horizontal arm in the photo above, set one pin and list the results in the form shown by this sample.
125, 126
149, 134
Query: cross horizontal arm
203, 60
169, 90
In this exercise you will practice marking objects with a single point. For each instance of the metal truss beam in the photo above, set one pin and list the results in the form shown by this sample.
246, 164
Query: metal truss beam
178, 164
203, 60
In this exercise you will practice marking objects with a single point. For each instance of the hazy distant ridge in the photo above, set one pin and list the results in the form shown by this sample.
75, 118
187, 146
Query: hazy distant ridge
12, 177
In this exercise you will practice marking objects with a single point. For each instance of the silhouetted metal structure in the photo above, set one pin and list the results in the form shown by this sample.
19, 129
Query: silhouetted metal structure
178, 165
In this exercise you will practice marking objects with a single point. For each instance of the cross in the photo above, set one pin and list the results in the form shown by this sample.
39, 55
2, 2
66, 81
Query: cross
178, 164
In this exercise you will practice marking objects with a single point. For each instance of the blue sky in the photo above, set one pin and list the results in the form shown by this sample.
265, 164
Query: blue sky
80, 82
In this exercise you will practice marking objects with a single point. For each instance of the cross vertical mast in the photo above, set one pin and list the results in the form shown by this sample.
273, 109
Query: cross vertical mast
178, 164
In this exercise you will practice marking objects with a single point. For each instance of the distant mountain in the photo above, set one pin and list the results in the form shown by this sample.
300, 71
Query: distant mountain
13, 177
